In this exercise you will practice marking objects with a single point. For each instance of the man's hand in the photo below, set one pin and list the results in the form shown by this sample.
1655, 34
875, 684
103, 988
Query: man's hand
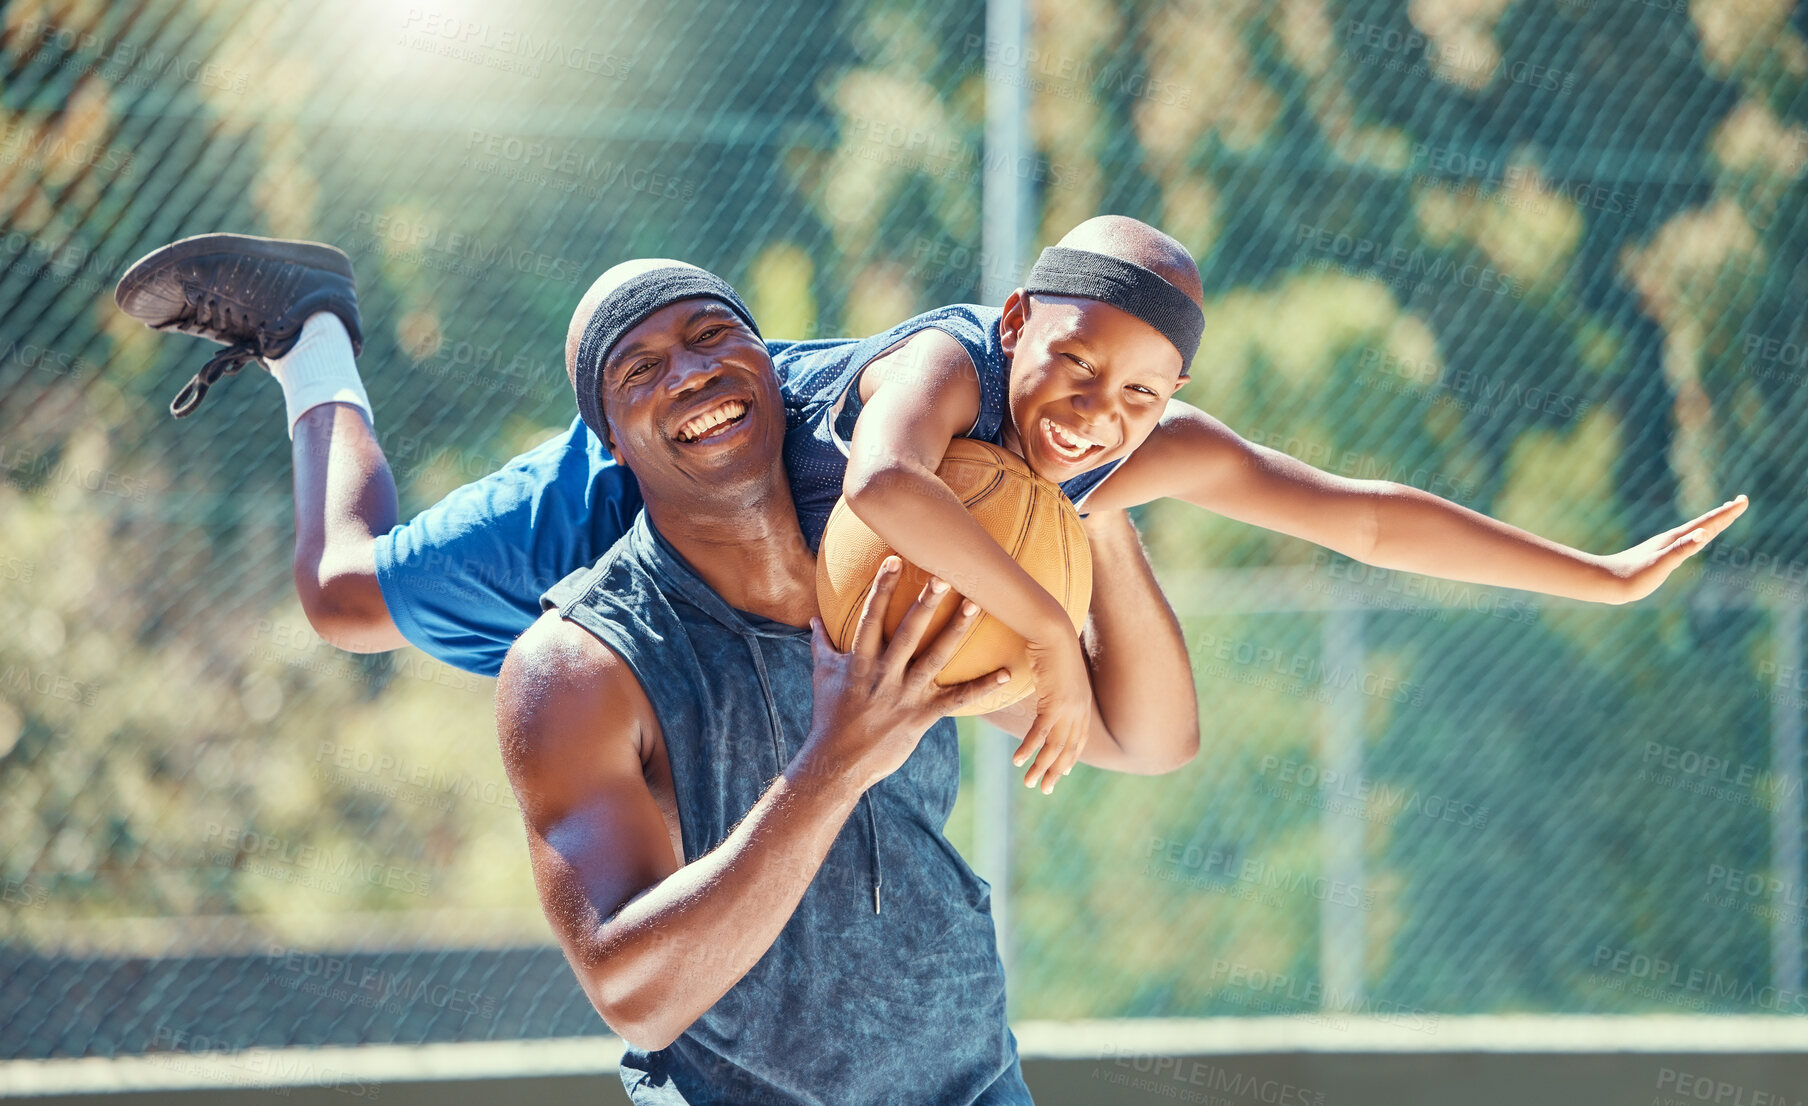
1639, 571
874, 702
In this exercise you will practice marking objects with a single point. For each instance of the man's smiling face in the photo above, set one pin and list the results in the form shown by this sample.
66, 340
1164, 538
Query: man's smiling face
692, 402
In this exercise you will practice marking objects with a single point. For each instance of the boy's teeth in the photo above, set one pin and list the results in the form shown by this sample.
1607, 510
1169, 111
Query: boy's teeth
1066, 443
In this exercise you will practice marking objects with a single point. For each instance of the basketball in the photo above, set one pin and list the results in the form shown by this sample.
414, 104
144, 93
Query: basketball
1027, 515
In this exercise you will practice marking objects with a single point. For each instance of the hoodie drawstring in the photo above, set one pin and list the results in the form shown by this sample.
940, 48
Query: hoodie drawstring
872, 826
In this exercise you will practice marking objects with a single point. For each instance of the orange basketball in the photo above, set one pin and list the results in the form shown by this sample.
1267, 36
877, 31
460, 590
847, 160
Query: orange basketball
1026, 514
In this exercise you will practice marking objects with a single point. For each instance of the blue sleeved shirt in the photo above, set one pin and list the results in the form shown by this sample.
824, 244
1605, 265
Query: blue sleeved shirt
463, 579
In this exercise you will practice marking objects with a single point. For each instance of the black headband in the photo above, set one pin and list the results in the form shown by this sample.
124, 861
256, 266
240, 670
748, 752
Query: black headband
624, 309
1061, 271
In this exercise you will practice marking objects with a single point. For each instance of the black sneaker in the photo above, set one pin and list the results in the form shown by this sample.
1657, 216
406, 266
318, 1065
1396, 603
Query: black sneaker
250, 294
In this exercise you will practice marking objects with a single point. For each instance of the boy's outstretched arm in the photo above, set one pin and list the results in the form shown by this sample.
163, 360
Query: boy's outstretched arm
1145, 716
919, 396
1193, 456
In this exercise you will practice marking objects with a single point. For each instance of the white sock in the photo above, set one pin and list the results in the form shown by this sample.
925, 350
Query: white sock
320, 369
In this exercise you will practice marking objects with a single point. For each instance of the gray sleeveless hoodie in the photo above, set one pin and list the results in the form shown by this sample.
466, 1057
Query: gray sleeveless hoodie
885, 986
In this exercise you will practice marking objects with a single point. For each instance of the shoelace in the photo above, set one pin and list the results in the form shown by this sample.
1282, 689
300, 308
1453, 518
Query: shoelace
210, 311
224, 363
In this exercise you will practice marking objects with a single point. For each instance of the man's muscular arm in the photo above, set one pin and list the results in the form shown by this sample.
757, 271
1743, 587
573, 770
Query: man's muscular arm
656, 943
344, 497
1145, 716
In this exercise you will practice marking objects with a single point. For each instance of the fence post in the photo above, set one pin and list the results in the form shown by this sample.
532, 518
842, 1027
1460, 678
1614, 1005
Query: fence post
1341, 837
1786, 818
993, 796
1005, 206
1005, 200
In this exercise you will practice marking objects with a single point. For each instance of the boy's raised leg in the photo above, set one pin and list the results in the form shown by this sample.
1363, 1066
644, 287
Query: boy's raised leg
291, 306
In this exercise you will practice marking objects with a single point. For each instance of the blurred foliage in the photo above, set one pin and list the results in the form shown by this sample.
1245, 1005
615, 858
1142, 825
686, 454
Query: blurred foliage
1543, 258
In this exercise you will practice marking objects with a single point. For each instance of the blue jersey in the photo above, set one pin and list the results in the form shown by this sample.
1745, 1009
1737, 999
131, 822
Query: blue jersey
463, 578
822, 399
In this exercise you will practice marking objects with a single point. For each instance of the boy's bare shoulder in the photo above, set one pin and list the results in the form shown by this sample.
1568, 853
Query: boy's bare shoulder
930, 356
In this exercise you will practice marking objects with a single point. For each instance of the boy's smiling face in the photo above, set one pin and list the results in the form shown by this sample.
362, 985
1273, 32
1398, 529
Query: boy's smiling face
1089, 382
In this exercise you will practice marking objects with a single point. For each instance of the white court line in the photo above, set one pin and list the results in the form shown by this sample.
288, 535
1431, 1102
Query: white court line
314, 1067
1037, 1040
1424, 1032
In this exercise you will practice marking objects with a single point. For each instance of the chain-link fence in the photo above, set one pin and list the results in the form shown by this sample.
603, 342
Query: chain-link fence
1546, 259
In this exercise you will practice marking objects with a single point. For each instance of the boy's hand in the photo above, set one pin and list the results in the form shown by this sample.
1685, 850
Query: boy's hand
1063, 712
1639, 571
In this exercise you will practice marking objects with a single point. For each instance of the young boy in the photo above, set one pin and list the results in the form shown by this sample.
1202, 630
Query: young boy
1075, 374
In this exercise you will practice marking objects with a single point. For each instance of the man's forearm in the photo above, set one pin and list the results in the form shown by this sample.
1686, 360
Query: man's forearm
677, 948
1416, 531
344, 497
1142, 677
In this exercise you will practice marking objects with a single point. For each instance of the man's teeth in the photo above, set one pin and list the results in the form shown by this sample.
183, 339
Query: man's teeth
726, 411
1067, 443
